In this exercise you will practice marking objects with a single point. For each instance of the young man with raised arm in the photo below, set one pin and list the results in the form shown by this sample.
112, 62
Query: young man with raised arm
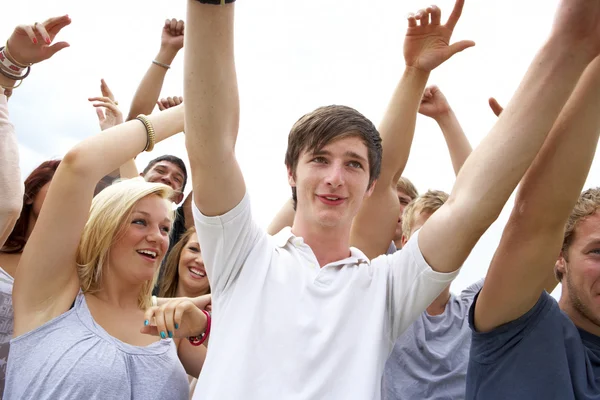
526, 345
302, 314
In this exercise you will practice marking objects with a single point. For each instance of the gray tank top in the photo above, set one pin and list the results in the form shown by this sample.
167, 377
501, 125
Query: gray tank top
72, 357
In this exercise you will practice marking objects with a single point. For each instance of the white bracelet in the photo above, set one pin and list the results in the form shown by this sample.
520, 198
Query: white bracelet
154, 301
167, 66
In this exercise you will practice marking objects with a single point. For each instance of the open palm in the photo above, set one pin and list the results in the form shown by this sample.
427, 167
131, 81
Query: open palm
427, 42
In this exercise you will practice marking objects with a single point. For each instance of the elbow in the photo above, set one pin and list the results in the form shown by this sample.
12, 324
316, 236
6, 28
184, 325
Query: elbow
75, 161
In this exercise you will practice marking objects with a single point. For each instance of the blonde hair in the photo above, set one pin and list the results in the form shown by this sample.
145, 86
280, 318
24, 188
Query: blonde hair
110, 209
407, 187
587, 205
429, 202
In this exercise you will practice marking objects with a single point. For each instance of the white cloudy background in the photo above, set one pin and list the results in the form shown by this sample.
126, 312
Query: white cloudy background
292, 56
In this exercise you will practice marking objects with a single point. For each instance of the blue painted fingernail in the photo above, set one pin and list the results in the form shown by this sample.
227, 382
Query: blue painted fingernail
176, 326
162, 335
170, 334
146, 323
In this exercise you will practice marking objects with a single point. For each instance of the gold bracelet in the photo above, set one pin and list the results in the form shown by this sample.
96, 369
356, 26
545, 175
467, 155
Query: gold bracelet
14, 59
149, 132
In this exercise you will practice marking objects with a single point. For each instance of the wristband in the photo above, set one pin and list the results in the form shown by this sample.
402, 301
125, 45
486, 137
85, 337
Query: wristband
216, 2
166, 66
198, 340
9, 65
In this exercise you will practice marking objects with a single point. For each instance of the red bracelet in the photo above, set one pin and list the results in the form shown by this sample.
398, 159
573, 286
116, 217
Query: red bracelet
198, 340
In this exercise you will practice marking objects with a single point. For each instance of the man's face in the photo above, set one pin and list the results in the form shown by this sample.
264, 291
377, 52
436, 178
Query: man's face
581, 273
332, 183
404, 200
168, 173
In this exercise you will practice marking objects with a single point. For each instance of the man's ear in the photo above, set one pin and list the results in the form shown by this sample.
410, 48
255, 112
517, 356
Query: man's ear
291, 177
370, 189
403, 240
560, 267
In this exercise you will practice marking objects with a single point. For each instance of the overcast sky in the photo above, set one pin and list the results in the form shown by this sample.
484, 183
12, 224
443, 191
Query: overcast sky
292, 56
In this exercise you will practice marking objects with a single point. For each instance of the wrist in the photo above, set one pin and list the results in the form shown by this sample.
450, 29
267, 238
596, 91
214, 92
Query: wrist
166, 55
7, 82
417, 73
445, 118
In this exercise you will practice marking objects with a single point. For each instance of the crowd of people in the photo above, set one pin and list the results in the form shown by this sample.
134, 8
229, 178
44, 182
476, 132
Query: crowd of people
132, 290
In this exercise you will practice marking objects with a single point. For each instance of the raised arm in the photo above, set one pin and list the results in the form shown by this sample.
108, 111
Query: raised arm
24, 48
46, 281
109, 115
495, 167
426, 47
148, 91
531, 242
435, 105
11, 187
212, 104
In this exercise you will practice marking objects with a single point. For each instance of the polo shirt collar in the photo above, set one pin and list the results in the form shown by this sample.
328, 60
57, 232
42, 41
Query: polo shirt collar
286, 236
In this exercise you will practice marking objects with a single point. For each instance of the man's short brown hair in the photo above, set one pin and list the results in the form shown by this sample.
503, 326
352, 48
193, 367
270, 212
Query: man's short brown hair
317, 129
406, 186
429, 202
587, 205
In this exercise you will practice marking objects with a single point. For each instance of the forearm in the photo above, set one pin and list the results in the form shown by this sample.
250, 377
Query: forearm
456, 140
398, 125
210, 84
552, 185
496, 166
99, 155
11, 187
148, 91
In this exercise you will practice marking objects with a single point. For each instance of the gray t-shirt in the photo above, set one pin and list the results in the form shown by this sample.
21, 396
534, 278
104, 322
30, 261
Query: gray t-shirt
429, 361
6, 322
72, 357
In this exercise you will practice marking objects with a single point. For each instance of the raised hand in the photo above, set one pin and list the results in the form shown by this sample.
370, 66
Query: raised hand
434, 103
172, 34
177, 317
495, 106
427, 42
169, 102
30, 44
107, 109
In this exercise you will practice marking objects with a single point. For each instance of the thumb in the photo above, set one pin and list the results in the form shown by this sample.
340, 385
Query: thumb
460, 46
58, 46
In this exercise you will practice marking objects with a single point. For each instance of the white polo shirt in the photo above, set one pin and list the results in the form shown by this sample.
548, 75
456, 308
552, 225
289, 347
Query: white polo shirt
285, 329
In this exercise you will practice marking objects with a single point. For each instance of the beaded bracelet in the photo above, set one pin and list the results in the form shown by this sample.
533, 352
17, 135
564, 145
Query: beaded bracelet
149, 132
198, 340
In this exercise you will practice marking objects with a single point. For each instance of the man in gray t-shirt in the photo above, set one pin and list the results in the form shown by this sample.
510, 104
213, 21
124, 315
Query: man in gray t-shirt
429, 360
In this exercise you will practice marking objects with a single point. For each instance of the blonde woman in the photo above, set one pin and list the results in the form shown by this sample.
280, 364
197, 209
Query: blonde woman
82, 291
